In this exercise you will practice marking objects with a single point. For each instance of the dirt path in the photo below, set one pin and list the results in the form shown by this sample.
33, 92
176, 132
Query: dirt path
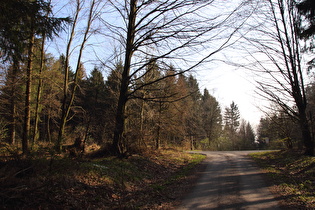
230, 181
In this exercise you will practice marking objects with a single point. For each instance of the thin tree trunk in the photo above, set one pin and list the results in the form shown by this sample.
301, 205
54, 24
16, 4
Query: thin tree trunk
158, 137
63, 118
39, 91
67, 107
191, 142
48, 128
27, 110
157, 140
141, 139
123, 94
12, 126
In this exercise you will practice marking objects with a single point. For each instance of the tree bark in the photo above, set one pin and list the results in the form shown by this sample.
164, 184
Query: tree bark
27, 110
158, 133
39, 91
12, 126
63, 119
306, 133
123, 94
67, 106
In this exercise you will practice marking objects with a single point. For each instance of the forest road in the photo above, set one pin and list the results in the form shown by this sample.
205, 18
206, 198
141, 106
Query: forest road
231, 180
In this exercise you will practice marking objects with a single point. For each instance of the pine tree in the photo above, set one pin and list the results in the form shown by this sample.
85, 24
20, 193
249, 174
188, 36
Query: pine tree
232, 122
94, 105
17, 35
112, 86
232, 117
246, 136
194, 126
211, 116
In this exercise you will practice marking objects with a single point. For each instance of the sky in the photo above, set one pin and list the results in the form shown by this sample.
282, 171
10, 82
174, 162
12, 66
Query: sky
227, 83
224, 82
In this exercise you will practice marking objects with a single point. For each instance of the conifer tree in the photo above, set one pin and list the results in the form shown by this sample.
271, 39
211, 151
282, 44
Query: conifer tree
232, 122
93, 102
211, 116
194, 120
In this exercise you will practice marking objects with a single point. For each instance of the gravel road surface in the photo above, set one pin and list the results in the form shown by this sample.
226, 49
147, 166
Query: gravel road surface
230, 181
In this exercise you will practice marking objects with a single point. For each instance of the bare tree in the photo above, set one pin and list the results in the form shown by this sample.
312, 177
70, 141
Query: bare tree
274, 53
184, 33
94, 8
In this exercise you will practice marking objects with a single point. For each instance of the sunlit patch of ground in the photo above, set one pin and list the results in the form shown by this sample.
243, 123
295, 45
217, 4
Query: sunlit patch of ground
155, 180
293, 176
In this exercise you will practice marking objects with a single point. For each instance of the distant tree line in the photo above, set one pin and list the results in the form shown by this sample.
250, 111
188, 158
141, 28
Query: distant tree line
144, 95
172, 112
145, 101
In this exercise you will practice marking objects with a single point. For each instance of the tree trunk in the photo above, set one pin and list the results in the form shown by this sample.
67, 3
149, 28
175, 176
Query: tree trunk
39, 91
12, 126
27, 110
48, 134
61, 127
119, 124
141, 138
192, 142
123, 94
63, 119
66, 107
158, 135
306, 134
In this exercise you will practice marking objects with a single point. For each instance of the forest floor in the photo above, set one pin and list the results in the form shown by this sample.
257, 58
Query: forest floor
154, 180
292, 177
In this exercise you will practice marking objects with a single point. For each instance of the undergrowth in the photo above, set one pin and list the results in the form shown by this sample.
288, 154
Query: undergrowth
293, 176
146, 181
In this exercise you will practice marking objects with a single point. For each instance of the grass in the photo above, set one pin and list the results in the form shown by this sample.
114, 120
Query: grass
182, 171
146, 181
292, 175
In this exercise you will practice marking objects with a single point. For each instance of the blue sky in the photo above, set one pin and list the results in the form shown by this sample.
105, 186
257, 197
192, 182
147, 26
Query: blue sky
224, 82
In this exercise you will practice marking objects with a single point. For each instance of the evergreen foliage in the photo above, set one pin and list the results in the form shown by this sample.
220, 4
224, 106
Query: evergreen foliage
139, 102
307, 9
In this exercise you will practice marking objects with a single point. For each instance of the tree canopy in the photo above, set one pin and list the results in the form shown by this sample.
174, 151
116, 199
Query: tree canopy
124, 72
307, 9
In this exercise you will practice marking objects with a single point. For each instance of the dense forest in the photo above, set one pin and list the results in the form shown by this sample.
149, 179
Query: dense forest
145, 95
171, 112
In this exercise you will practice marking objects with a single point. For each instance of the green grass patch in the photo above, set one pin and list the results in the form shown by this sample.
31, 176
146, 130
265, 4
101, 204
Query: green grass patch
292, 174
184, 169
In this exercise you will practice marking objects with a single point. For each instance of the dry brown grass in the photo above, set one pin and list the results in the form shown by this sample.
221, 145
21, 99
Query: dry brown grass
154, 180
